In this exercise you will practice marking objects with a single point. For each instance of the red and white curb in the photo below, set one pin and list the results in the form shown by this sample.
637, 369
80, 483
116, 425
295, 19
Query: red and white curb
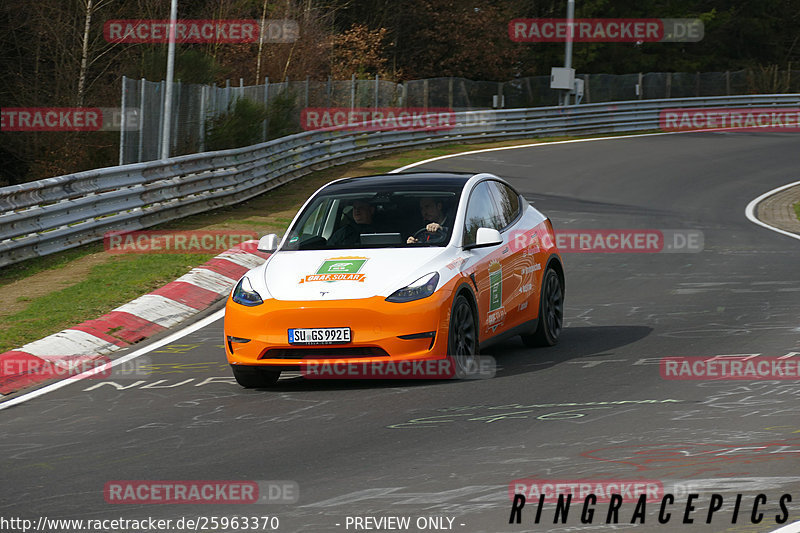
132, 322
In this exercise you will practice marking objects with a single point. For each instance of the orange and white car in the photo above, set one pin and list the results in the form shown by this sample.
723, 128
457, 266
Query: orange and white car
394, 268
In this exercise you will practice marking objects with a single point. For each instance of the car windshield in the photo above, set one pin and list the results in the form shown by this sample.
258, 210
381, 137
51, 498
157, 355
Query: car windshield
375, 219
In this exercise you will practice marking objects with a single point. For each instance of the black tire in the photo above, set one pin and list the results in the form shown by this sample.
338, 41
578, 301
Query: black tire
251, 377
551, 312
462, 338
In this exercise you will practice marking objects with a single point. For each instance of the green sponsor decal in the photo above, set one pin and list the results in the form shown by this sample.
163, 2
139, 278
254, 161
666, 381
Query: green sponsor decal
341, 266
496, 290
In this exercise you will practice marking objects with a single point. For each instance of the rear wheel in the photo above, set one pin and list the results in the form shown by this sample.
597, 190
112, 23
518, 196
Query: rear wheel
462, 338
251, 377
551, 312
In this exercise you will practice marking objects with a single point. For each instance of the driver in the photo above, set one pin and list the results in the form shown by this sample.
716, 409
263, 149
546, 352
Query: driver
433, 214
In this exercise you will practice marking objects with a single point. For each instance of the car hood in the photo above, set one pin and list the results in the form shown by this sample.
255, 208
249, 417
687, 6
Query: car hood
347, 274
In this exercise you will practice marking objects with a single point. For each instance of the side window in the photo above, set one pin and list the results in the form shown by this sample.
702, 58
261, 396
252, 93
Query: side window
481, 213
507, 201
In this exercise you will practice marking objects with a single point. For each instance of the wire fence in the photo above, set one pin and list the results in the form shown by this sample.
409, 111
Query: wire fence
196, 106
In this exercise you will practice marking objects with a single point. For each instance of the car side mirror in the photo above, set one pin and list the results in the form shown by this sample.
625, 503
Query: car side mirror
268, 243
487, 237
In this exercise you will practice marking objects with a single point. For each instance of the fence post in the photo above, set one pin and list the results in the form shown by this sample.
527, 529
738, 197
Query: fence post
425, 94
161, 119
727, 83
306, 91
202, 129
641, 87
142, 92
121, 129
353, 91
669, 84
176, 103
227, 95
697, 85
586, 95
450, 93
377, 88
266, 106
328, 92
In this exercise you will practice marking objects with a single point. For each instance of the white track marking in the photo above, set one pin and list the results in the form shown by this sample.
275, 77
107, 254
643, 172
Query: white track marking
482, 150
133, 355
791, 528
750, 212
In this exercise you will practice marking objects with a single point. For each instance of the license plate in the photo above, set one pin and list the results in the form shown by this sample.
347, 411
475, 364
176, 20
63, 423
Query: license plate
319, 335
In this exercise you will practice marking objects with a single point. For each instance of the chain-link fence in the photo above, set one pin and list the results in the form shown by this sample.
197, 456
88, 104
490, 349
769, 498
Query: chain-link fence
195, 107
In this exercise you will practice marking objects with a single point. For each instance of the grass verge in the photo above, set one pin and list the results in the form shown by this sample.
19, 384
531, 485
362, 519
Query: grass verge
797, 210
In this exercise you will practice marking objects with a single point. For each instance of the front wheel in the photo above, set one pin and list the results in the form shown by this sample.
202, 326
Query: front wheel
462, 338
551, 312
251, 377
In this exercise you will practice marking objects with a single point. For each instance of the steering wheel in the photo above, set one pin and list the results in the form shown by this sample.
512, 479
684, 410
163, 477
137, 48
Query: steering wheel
430, 237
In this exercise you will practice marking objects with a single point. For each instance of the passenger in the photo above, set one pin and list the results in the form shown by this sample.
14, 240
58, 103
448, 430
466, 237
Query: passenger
363, 213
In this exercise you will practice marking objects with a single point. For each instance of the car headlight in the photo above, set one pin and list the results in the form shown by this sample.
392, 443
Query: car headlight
422, 288
245, 294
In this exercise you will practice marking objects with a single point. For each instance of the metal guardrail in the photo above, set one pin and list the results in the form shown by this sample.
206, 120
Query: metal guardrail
53, 214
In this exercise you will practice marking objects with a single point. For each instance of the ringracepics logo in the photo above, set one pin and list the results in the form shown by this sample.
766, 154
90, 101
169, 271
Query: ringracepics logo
201, 31
201, 492
377, 119
174, 242
670, 508
731, 119
598, 30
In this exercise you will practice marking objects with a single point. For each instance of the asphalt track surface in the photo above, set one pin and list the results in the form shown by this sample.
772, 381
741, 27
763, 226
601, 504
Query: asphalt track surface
451, 448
